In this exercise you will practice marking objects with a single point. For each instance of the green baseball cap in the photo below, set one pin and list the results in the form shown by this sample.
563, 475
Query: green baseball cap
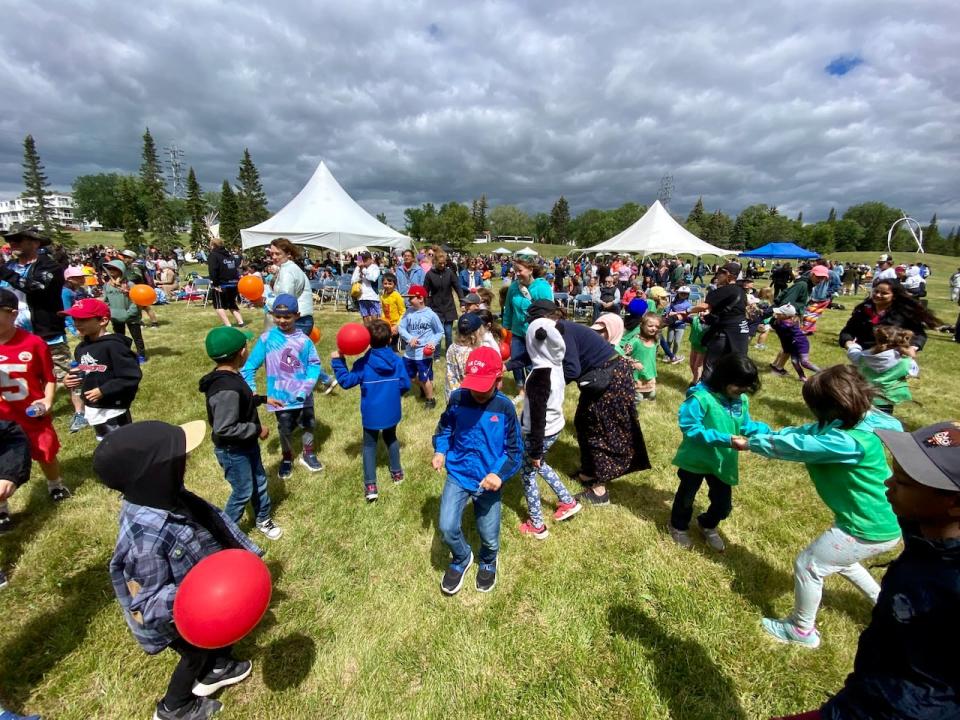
222, 342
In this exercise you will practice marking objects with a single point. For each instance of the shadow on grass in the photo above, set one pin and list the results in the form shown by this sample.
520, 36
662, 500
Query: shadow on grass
287, 661
786, 412
47, 639
688, 681
429, 517
161, 351
675, 381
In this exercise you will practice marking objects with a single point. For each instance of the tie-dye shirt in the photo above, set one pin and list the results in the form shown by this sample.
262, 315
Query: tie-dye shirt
293, 367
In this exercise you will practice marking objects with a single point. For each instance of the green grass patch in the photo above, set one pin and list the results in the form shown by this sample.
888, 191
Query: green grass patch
606, 618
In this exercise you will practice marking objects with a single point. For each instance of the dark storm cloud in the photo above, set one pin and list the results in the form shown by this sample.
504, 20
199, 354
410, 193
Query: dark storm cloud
420, 102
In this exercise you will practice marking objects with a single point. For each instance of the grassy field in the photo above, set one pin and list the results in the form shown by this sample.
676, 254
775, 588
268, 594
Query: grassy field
607, 618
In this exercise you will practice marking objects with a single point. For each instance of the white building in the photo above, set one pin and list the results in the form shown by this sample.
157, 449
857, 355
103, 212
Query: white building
20, 210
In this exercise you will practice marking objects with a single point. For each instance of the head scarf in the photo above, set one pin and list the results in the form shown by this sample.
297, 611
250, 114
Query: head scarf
614, 326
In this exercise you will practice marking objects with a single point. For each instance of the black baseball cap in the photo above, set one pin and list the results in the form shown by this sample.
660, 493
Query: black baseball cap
8, 300
930, 455
27, 234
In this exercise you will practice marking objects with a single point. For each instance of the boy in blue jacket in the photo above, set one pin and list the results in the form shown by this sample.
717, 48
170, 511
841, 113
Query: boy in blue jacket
478, 439
382, 378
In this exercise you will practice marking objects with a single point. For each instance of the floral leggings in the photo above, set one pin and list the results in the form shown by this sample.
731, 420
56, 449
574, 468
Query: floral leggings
529, 474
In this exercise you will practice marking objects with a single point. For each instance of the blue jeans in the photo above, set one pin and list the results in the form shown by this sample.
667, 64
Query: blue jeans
304, 323
448, 335
519, 359
370, 438
486, 510
244, 471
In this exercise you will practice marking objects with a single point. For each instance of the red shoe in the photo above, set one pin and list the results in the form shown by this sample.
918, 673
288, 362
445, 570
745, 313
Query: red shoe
567, 510
528, 528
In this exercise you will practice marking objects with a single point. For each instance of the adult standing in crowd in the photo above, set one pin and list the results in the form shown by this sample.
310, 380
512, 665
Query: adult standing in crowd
471, 277
727, 328
888, 304
780, 277
527, 288
441, 283
291, 279
224, 271
608, 430
36, 278
886, 270
408, 273
367, 273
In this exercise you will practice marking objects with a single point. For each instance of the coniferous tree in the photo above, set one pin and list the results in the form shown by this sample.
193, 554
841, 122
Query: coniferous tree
800, 218
160, 220
129, 202
251, 200
196, 208
229, 225
559, 221
480, 214
35, 187
832, 217
697, 215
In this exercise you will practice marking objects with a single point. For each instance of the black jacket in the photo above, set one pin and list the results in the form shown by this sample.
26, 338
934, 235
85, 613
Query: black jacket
223, 267
14, 453
440, 288
860, 328
906, 666
231, 409
42, 285
108, 363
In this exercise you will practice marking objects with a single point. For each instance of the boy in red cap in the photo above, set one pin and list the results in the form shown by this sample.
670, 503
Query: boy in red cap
107, 373
421, 331
478, 439
27, 387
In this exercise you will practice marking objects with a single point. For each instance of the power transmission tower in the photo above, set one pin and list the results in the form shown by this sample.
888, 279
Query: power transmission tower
174, 165
665, 193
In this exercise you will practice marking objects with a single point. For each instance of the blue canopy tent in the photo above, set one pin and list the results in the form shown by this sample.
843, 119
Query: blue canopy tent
781, 251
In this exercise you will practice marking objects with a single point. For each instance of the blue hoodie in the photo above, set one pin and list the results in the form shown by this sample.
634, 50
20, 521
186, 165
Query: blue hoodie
478, 439
382, 378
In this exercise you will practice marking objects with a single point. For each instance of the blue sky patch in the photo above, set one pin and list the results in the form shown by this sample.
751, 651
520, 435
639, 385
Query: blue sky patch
843, 64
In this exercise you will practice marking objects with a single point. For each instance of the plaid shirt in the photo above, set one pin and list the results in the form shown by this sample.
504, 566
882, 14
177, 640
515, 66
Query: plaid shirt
155, 550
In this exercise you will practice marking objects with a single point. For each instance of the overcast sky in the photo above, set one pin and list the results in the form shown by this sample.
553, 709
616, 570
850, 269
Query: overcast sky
803, 105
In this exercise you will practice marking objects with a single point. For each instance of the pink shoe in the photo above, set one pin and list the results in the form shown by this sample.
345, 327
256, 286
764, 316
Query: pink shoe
567, 510
528, 528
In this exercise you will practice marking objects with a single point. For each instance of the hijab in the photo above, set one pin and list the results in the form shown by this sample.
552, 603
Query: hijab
614, 326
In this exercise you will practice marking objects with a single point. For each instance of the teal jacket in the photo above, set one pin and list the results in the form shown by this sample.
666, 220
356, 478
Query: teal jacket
515, 305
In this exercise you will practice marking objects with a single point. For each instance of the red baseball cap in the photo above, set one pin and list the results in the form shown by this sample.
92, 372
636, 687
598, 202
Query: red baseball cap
484, 368
88, 308
417, 291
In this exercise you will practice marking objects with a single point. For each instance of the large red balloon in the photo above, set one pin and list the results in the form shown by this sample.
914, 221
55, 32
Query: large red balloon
353, 339
143, 295
250, 287
222, 598
504, 350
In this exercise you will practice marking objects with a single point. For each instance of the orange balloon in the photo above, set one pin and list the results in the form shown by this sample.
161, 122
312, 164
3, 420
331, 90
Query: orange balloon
143, 295
315, 334
251, 287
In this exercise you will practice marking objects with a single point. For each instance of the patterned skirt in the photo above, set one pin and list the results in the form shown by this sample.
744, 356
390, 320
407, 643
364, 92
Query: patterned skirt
608, 431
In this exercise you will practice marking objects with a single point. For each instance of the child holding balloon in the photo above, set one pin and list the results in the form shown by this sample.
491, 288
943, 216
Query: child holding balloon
124, 313
165, 530
421, 330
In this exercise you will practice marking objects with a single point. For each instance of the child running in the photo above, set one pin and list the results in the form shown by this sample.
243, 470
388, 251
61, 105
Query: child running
715, 422
164, 531
887, 365
478, 440
28, 386
845, 460
698, 353
107, 375
232, 413
421, 330
469, 336
383, 379
793, 342
542, 420
293, 368
639, 346
675, 321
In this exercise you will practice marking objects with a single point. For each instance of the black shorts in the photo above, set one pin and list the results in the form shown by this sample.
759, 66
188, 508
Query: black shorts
226, 299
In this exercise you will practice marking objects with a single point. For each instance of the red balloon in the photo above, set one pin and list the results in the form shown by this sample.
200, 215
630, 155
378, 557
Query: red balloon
251, 287
143, 295
504, 350
428, 351
222, 598
353, 339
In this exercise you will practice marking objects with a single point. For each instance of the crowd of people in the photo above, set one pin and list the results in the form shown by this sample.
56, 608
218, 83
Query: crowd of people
420, 308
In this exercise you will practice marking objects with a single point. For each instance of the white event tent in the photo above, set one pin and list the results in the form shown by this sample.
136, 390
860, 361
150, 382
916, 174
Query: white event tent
324, 215
657, 232
502, 251
527, 252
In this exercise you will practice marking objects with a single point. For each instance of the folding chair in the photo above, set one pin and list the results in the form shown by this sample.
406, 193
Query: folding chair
583, 306
200, 286
343, 292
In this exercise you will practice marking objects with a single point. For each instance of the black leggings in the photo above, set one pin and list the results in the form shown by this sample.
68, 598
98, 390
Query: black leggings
720, 494
194, 664
136, 332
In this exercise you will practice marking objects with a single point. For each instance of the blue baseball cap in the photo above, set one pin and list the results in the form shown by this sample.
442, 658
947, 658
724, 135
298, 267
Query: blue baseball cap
285, 304
637, 306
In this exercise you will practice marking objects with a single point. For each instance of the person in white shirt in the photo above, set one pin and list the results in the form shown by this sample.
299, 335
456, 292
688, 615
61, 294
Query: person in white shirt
886, 270
367, 273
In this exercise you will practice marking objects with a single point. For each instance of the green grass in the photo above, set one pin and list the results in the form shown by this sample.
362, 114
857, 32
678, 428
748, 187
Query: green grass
606, 618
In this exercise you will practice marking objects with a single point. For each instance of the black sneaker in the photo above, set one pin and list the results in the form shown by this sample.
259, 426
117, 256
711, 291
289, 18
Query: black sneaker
396, 476
200, 709
6, 522
779, 371
430, 403
59, 493
3, 579
453, 578
591, 498
370, 493
235, 671
486, 576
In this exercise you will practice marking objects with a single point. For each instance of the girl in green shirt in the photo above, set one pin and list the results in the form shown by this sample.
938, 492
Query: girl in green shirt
639, 346
847, 465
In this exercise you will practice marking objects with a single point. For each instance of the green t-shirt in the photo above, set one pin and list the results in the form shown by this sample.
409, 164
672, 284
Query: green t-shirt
721, 462
631, 346
696, 334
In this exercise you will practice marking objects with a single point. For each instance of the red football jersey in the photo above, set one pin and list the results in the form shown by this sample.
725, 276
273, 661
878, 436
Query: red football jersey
25, 368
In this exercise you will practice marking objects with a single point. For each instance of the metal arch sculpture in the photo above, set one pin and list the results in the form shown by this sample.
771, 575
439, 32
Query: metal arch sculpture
914, 229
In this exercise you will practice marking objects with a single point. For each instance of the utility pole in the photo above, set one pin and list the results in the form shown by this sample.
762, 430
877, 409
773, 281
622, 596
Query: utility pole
665, 193
173, 162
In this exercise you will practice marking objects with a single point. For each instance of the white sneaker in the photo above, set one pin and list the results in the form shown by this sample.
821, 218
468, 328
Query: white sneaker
269, 528
680, 537
331, 386
712, 536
